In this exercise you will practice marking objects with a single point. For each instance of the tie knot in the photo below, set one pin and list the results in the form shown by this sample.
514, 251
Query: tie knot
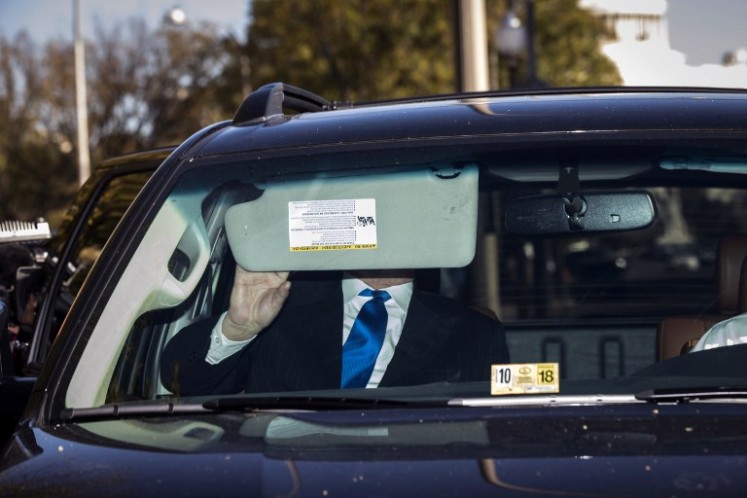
380, 295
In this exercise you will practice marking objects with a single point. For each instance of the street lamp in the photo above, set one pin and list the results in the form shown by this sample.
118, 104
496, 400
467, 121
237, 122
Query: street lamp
175, 16
513, 39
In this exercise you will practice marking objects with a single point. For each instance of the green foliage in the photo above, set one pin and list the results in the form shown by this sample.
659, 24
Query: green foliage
151, 88
36, 175
146, 88
354, 49
363, 49
568, 47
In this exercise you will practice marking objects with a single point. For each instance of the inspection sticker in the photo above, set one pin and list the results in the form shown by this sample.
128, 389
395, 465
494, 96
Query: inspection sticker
524, 378
332, 225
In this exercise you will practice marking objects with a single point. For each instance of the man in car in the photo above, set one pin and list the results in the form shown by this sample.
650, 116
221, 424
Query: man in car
729, 332
316, 332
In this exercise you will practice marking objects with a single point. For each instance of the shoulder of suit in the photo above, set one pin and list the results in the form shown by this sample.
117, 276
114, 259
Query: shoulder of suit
447, 306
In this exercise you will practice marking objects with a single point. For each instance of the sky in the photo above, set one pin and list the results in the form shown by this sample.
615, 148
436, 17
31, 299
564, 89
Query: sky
702, 29
45, 19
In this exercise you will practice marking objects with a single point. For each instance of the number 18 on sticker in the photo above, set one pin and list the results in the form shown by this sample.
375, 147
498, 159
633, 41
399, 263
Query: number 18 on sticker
525, 378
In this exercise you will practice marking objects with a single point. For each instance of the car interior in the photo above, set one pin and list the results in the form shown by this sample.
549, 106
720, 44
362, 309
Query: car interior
605, 263
678, 334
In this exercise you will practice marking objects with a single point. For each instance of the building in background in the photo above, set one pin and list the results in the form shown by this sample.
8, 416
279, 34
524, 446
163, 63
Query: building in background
639, 46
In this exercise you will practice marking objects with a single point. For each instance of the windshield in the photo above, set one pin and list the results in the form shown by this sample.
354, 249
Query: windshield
433, 273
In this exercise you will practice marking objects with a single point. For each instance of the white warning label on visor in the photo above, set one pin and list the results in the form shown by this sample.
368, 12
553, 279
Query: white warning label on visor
332, 225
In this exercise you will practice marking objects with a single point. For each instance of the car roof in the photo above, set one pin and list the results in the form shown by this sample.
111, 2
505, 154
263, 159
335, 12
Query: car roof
570, 112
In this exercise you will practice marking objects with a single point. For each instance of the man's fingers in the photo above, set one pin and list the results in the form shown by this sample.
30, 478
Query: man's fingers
281, 293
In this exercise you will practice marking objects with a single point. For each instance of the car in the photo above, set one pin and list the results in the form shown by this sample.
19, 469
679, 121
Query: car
540, 263
48, 270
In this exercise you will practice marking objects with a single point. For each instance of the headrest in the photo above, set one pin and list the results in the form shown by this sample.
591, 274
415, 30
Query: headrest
732, 251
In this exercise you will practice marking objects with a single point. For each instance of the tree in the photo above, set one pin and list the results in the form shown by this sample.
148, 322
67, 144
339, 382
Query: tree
353, 49
151, 88
567, 43
146, 88
362, 49
37, 173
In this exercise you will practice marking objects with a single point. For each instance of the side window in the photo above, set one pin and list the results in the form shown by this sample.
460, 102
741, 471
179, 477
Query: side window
95, 229
108, 210
109, 207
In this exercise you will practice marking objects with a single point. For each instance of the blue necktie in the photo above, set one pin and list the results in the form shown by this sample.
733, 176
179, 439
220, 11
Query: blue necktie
364, 342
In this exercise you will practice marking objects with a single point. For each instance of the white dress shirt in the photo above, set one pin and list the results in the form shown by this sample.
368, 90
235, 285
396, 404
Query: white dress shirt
396, 309
727, 333
221, 347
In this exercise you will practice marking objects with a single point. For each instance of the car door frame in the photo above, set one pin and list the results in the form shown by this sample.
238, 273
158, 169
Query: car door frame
16, 389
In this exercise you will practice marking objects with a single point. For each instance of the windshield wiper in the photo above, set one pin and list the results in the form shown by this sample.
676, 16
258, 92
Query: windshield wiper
242, 403
685, 395
238, 403
310, 403
129, 410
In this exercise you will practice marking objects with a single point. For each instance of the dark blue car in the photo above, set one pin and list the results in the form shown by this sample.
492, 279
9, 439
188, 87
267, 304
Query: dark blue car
503, 294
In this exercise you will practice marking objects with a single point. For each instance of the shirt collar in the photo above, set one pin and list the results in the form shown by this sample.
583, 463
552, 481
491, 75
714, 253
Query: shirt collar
352, 286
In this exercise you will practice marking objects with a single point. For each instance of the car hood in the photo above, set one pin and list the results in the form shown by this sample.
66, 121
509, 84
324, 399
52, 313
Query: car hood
632, 450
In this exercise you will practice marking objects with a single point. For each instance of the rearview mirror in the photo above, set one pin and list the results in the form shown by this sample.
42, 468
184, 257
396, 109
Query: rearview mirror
588, 212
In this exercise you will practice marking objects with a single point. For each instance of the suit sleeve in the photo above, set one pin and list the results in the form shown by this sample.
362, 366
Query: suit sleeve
185, 372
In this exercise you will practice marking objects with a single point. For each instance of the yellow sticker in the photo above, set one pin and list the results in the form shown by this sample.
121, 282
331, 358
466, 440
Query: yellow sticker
525, 378
334, 248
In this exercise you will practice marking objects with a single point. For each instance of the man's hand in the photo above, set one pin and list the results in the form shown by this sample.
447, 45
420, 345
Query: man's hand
256, 299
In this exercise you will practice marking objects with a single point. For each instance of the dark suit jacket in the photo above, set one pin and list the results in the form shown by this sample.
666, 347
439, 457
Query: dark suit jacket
442, 340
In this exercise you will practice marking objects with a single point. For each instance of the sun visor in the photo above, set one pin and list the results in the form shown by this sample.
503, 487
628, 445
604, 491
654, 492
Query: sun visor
415, 219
